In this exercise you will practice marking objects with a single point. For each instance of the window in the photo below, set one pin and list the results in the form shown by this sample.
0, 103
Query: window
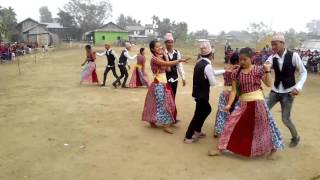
103, 38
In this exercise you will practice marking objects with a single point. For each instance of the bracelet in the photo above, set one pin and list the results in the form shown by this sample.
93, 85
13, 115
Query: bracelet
267, 72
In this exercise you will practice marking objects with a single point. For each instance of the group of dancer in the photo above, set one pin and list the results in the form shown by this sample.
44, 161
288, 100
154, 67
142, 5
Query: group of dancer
244, 123
139, 77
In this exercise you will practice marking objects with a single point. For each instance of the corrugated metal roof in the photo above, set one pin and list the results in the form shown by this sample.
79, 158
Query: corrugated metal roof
110, 27
53, 25
135, 28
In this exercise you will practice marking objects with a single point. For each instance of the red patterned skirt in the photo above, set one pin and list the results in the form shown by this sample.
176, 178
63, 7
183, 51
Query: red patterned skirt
159, 104
89, 74
250, 131
139, 78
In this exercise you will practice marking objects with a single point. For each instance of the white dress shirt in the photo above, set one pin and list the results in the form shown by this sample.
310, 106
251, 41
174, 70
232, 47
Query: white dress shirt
107, 52
209, 73
179, 66
296, 62
126, 54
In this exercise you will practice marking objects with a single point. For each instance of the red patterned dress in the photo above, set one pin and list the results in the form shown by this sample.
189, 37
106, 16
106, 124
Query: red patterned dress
139, 76
89, 74
250, 130
221, 115
159, 104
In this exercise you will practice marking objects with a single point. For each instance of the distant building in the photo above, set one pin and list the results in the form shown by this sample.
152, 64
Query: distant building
151, 30
136, 33
108, 33
142, 34
63, 33
32, 31
312, 42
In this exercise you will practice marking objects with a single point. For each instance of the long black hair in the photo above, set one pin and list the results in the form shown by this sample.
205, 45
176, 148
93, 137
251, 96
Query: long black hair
88, 47
152, 45
141, 50
247, 52
234, 58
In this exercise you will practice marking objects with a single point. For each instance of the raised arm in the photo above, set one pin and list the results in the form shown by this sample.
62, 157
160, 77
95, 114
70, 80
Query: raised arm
102, 54
126, 54
162, 62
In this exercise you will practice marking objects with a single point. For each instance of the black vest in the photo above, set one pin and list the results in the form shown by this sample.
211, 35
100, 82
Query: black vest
174, 72
123, 59
110, 57
201, 85
286, 75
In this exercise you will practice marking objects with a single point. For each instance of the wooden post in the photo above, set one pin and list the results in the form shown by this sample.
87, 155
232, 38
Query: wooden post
35, 56
19, 65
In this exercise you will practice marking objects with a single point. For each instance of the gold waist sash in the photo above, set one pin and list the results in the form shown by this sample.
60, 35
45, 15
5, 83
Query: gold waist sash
138, 66
252, 96
161, 77
227, 88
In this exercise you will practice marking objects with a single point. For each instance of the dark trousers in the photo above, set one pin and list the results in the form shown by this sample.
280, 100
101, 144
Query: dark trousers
203, 109
286, 101
174, 86
106, 71
124, 74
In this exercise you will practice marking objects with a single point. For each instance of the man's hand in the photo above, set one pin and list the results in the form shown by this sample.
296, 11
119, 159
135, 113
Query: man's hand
294, 92
267, 66
184, 83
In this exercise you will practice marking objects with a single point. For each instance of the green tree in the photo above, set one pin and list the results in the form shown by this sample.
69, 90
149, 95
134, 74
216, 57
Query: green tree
89, 15
8, 22
200, 34
65, 19
165, 26
124, 21
259, 30
45, 15
180, 31
292, 40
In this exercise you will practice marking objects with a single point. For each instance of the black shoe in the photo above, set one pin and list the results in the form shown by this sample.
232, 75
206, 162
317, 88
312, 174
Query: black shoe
294, 141
114, 85
216, 135
103, 85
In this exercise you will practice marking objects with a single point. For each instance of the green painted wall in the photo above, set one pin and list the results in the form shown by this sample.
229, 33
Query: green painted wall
110, 37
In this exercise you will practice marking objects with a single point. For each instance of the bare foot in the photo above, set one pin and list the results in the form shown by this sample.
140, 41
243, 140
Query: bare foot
153, 125
272, 155
189, 141
167, 130
214, 152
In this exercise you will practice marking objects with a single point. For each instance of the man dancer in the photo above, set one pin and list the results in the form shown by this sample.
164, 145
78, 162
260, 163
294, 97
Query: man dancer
172, 74
111, 58
123, 62
285, 89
